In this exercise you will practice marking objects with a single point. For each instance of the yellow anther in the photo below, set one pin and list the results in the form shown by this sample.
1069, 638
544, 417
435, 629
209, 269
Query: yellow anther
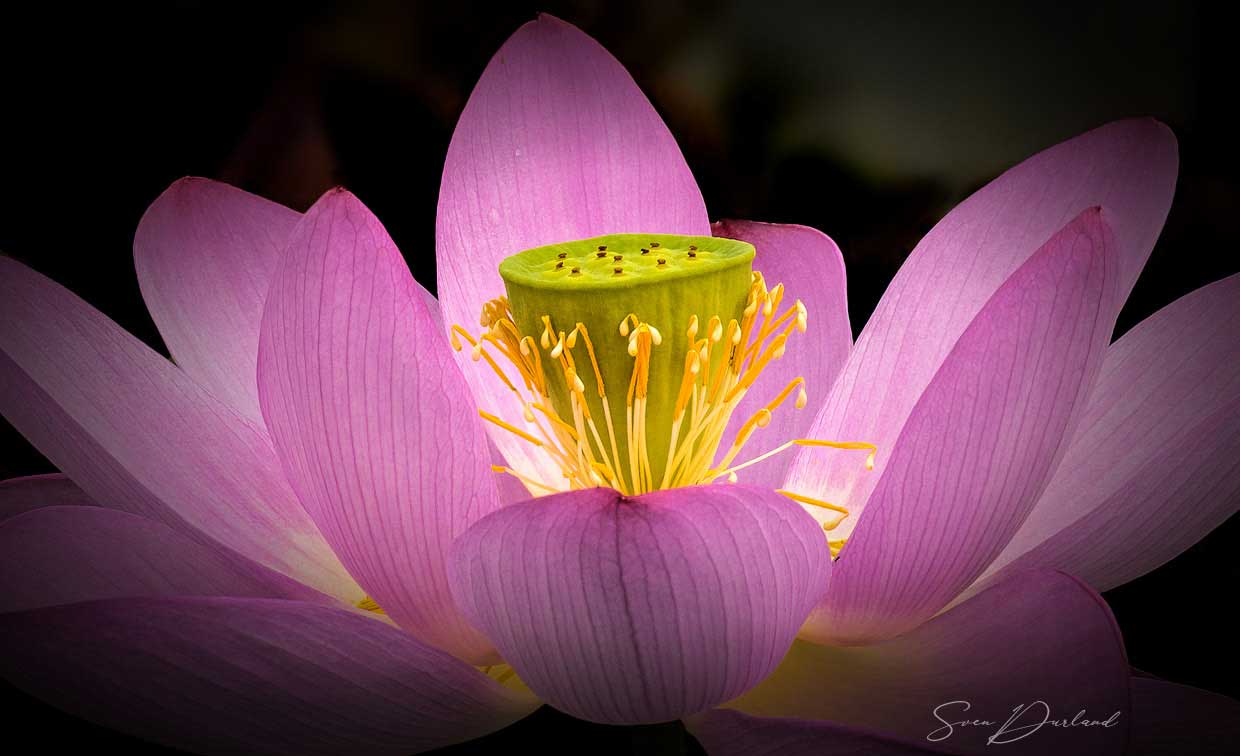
509, 427
812, 501
456, 333
370, 605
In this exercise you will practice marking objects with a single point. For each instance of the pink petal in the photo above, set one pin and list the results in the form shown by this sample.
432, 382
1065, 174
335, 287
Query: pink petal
1128, 168
19, 495
137, 434
811, 268
1156, 463
556, 143
1179, 719
216, 675
60, 555
981, 443
204, 253
722, 732
371, 418
630, 610
1039, 636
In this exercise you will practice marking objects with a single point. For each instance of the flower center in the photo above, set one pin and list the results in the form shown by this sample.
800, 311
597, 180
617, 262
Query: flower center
633, 351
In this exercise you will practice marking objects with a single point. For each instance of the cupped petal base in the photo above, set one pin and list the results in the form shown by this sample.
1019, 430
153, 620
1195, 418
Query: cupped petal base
636, 610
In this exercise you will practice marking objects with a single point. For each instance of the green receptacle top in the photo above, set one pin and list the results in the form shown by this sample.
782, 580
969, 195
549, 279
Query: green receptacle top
623, 261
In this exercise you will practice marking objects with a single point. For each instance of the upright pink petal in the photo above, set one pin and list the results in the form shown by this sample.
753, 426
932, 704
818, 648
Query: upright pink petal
811, 268
138, 434
1156, 463
62, 555
204, 253
981, 443
1039, 636
630, 610
556, 143
19, 495
1128, 168
219, 675
1180, 719
371, 418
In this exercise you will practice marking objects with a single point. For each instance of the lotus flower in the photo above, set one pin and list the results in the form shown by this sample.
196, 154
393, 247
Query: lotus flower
322, 529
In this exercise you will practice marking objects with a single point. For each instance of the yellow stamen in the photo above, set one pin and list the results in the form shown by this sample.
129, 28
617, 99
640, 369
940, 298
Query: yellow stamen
712, 385
370, 605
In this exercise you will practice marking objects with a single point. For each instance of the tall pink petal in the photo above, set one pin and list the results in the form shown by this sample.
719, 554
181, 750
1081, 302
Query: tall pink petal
1039, 636
1128, 168
371, 418
1180, 719
629, 610
723, 732
556, 143
981, 443
204, 253
811, 268
139, 435
243, 675
1156, 463
19, 495
62, 555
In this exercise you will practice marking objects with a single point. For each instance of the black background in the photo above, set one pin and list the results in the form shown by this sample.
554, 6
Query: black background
866, 121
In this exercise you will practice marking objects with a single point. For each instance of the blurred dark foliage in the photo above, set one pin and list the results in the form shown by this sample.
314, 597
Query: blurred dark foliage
917, 106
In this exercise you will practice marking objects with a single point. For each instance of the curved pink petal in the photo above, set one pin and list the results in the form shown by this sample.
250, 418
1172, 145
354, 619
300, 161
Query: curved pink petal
19, 495
61, 555
981, 443
723, 732
242, 675
1038, 636
1180, 719
1128, 168
371, 418
630, 610
1156, 462
137, 434
556, 143
204, 253
811, 268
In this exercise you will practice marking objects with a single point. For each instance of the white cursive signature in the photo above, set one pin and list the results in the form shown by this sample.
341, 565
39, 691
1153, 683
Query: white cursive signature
1025, 720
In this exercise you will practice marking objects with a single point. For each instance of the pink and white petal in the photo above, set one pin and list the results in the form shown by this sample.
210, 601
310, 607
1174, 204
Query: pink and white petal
1171, 718
204, 253
723, 732
244, 675
981, 444
811, 268
19, 495
139, 435
632, 610
1038, 636
555, 143
1128, 168
371, 418
1156, 462
62, 555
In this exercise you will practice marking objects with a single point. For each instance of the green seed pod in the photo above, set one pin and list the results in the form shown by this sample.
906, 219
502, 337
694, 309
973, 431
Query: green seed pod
662, 280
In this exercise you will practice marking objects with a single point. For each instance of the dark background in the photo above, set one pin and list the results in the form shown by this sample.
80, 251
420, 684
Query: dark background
867, 121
